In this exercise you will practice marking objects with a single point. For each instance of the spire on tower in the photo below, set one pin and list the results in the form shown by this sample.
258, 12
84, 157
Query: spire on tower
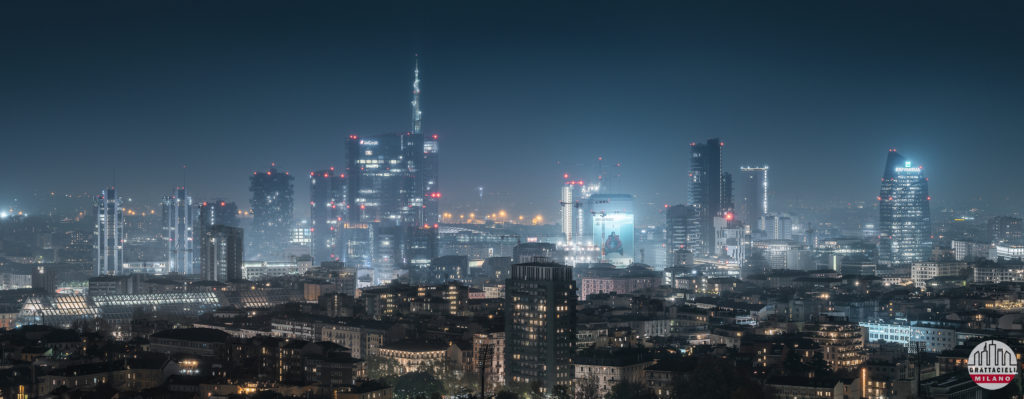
417, 115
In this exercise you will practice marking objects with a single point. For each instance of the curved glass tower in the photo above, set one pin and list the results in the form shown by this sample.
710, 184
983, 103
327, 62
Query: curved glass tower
905, 223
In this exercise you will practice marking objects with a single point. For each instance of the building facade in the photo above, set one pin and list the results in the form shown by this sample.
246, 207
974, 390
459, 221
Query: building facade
109, 233
272, 207
905, 224
221, 253
540, 325
179, 217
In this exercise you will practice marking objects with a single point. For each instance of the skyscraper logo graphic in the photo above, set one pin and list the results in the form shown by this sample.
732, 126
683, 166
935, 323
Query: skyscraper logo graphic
992, 364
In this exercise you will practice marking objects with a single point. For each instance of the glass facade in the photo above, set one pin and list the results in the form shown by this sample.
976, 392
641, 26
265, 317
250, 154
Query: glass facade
905, 227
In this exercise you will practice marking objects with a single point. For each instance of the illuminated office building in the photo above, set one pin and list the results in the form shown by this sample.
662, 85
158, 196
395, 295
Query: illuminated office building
682, 230
611, 217
109, 233
179, 219
540, 325
905, 225
327, 215
272, 208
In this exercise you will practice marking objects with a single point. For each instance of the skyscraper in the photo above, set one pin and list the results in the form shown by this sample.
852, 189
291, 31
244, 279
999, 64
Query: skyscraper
1005, 230
428, 168
540, 325
682, 230
571, 203
178, 225
754, 203
393, 192
109, 233
327, 214
706, 187
217, 212
271, 203
612, 228
220, 253
905, 224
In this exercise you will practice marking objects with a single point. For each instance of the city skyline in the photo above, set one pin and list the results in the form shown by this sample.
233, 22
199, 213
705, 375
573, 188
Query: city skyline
842, 126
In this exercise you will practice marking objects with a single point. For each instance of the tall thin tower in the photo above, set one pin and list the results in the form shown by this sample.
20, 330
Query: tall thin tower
417, 115
109, 233
178, 225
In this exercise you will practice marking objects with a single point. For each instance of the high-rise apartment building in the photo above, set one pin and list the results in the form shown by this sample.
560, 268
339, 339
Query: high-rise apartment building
179, 217
109, 233
272, 207
905, 224
540, 325
220, 253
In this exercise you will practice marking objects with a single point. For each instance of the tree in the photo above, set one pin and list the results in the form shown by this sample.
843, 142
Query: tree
587, 388
411, 385
380, 368
630, 390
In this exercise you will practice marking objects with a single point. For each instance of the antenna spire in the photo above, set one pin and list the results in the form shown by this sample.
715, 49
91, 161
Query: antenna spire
417, 115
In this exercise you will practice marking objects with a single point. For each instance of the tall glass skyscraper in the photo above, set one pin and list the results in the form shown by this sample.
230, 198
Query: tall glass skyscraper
905, 224
754, 203
109, 233
706, 187
178, 222
327, 214
272, 204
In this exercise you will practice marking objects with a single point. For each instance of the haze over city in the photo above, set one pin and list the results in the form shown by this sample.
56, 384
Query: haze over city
519, 94
511, 200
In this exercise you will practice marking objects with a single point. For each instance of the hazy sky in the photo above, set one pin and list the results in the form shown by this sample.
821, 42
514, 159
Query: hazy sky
819, 90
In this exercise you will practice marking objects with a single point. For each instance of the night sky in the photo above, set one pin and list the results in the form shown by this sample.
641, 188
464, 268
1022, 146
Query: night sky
519, 92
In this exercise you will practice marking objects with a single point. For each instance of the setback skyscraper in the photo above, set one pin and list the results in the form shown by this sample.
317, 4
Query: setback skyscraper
540, 325
272, 205
178, 225
327, 214
109, 233
754, 203
392, 182
905, 224
706, 184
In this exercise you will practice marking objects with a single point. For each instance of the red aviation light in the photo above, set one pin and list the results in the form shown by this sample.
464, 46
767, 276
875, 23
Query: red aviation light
222, 203
729, 216
565, 175
326, 175
332, 168
434, 136
435, 225
353, 137
342, 176
311, 173
268, 173
204, 203
929, 198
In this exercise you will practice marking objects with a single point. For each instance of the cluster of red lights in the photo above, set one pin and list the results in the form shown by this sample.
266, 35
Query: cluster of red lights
434, 195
